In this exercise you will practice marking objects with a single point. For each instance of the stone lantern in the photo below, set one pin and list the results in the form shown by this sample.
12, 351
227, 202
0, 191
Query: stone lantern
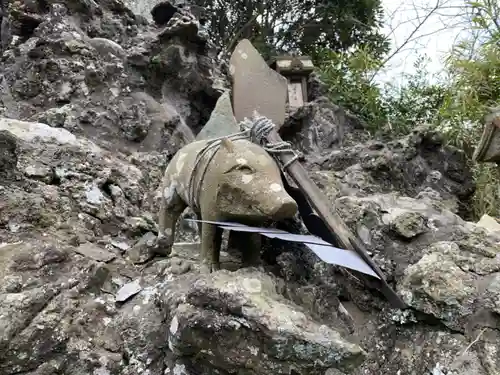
296, 70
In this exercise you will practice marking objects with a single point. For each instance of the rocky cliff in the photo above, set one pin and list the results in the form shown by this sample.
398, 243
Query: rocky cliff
94, 102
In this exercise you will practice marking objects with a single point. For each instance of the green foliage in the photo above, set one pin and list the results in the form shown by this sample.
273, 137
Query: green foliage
347, 76
418, 101
474, 73
475, 78
456, 105
487, 196
303, 26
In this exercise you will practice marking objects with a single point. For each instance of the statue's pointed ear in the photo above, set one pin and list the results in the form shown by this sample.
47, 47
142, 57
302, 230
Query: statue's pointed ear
227, 144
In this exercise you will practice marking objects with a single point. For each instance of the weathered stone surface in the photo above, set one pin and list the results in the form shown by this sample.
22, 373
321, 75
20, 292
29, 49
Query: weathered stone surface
249, 71
446, 274
411, 165
408, 224
221, 122
8, 156
107, 48
85, 67
75, 319
186, 26
286, 340
89, 133
141, 251
95, 252
489, 223
319, 126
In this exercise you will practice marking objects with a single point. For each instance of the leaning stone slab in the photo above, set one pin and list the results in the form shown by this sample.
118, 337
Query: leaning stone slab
251, 78
221, 122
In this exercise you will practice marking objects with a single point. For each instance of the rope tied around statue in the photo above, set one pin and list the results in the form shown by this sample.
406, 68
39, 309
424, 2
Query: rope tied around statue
256, 130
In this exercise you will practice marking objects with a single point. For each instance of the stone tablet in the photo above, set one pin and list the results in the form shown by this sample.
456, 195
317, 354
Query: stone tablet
251, 76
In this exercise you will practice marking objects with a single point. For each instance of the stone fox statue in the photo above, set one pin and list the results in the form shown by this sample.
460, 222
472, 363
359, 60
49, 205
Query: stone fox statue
242, 183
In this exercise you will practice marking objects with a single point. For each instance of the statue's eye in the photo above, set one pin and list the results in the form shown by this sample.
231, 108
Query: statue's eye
245, 168
241, 167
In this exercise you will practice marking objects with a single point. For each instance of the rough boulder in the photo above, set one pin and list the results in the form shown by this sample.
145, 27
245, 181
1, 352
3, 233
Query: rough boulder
94, 101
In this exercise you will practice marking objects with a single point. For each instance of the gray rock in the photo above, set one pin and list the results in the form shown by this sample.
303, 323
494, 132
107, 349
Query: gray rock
408, 165
221, 122
73, 295
82, 153
8, 156
93, 90
408, 224
29, 131
128, 290
57, 117
240, 302
107, 47
142, 250
94, 252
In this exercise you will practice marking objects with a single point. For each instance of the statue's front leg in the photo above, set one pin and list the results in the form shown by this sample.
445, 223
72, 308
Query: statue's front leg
211, 240
171, 208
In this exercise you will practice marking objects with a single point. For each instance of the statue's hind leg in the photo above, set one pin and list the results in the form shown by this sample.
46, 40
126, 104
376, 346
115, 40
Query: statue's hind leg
171, 207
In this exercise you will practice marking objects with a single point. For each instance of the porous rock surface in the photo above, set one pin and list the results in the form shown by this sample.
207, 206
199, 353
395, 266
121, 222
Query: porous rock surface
94, 102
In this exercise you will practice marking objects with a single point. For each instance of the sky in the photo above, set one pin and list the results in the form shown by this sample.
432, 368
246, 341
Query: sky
434, 38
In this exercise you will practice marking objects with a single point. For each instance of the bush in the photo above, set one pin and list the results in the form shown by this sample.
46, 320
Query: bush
347, 76
456, 105
473, 67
